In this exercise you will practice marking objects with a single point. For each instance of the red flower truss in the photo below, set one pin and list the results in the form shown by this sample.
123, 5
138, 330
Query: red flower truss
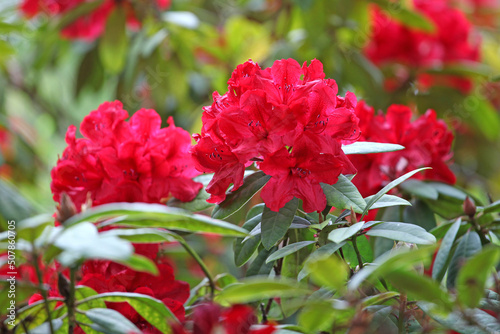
290, 120
120, 161
427, 142
89, 26
450, 43
211, 319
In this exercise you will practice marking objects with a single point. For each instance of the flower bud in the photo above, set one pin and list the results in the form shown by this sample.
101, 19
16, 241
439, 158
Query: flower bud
469, 207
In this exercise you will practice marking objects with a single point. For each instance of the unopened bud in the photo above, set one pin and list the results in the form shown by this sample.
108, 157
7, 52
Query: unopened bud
66, 209
63, 285
469, 207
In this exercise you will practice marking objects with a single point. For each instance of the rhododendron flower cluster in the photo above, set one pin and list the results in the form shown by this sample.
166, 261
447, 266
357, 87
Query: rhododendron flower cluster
120, 161
89, 26
452, 42
427, 141
289, 120
213, 319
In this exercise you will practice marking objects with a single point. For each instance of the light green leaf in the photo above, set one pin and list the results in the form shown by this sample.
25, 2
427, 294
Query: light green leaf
328, 271
274, 225
111, 321
199, 203
364, 147
113, 44
340, 234
420, 189
156, 215
258, 288
472, 276
402, 232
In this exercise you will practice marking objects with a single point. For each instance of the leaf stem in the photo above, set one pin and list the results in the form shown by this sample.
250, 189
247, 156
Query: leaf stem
70, 301
202, 265
402, 311
43, 292
358, 254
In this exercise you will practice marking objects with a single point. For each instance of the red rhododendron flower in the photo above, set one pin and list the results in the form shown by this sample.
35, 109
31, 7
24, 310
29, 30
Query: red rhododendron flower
271, 116
449, 44
120, 161
212, 319
427, 143
89, 26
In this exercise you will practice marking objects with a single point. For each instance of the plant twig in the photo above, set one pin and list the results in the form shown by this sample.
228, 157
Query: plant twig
41, 288
358, 254
202, 265
402, 312
70, 301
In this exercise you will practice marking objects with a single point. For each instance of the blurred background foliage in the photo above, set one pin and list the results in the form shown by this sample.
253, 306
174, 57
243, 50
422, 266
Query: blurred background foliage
178, 57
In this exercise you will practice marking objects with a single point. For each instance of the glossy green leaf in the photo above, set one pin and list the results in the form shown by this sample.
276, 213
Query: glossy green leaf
288, 249
471, 278
420, 214
199, 203
156, 215
274, 225
151, 309
387, 201
340, 234
390, 186
364, 147
259, 267
344, 195
420, 189
469, 245
112, 321
243, 251
493, 207
113, 44
402, 232
444, 253
255, 289
237, 199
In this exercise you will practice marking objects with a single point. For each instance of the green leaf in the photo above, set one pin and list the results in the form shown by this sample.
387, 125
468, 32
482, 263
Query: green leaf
140, 263
237, 199
274, 225
420, 189
76, 12
402, 232
420, 214
387, 201
45, 327
13, 205
472, 276
447, 190
82, 241
35, 312
328, 271
379, 298
199, 203
243, 251
365, 147
419, 287
156, 215
258, 288
259, 267
444, 253
340, 234
493, 207
390, 186
142, 235
344, 195
113, 44
469, 245
326, 250
288, 249
151, 309
111, 321
31, 228
317, 316
407, 17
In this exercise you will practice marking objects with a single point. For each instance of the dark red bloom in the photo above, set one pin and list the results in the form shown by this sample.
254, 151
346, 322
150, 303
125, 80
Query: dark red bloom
89, 26
265, 115
450, 43
119, 161
212, 319
427, 143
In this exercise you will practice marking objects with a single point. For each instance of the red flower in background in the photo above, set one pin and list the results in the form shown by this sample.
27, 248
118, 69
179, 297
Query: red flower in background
89, 26
452, 42
119, 161
212, 319
270, 116
427, 143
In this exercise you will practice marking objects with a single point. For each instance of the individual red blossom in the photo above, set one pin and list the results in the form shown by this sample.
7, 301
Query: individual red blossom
451, 43
212, 319
120, 161
91, 25
427, 143
267, 115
